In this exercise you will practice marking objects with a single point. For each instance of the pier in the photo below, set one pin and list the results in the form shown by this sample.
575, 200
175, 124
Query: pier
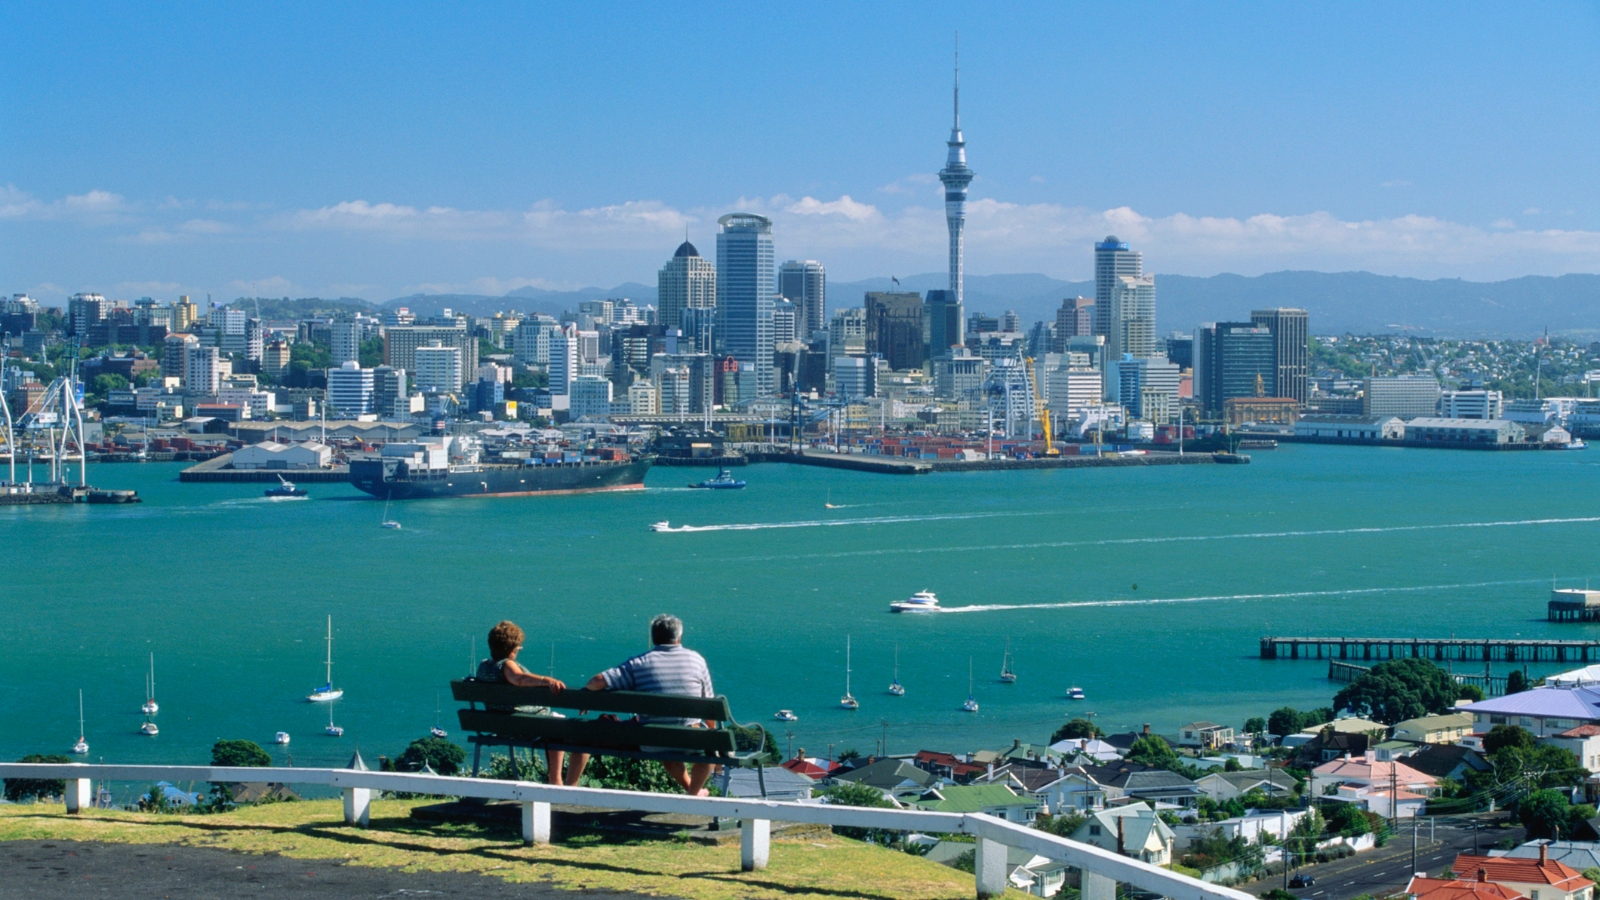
1436, 649
217, 469
1491, 685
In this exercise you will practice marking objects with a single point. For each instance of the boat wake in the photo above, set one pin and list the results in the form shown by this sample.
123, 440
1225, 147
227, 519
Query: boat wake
826, 523
1217, 598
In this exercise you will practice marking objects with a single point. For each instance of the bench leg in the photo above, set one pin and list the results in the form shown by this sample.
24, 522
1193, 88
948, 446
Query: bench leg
535, 823
990, 866
477, 756
357, 806
761, 779
755, 840
77, 794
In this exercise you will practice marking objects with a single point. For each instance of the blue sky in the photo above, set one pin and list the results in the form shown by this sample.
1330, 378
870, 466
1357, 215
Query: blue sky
379, 149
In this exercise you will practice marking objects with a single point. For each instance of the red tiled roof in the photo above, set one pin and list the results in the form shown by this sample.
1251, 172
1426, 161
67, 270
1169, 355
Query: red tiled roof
1582, 731
1520, 870
1442, 889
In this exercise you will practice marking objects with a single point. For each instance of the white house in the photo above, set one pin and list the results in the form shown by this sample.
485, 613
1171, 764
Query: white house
1134, 831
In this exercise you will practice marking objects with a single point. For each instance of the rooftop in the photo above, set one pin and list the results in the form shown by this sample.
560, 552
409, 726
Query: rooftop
1520, 870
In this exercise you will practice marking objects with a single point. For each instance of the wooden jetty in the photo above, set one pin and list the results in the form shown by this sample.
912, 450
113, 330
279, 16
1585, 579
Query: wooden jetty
1437, 649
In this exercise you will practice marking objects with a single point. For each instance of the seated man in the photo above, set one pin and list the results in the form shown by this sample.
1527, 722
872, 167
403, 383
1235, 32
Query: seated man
667, 668
505, 642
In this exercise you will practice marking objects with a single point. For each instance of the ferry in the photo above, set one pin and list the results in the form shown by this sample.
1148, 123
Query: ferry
921, 601
723, 482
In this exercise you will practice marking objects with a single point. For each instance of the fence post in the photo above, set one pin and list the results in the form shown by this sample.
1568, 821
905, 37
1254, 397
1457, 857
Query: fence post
77, 794
535, 823
989, 863
1094, 886
754, 843
357, 806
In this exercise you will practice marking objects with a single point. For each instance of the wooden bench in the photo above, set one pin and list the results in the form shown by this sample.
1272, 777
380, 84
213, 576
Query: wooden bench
490, 718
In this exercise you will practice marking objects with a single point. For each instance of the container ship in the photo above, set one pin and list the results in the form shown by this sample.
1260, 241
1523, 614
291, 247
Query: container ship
455, 466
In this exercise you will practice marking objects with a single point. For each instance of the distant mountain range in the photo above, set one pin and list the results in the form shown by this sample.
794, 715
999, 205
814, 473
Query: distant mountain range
1359, 302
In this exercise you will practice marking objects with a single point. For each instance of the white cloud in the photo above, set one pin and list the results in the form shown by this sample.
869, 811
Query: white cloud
95, 207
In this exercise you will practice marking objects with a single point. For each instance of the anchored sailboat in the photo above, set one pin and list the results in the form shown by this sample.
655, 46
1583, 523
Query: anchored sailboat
848, 701
895, 687
972, 703
327, 692
332, 730
1006, 675
150, 707
82, 746
436, 731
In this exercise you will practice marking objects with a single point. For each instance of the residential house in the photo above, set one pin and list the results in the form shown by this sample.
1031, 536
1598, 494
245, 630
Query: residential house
1331, 746
1447, 761
812, 767
1478, 887
1017, 750
1124, 741
1030, 873
892, 775
996, 800
1134, 831
781, 784
1583, 741
1055, 789
1252, 826
1540, 878
947, 766
1446, 728
1580, 856
1545, 711
1223, 786
1382, 800
1086, 750
1205, 735
1389, 788
1125, 782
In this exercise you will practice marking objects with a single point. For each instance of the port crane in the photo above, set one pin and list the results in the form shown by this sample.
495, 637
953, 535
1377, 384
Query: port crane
1043, 412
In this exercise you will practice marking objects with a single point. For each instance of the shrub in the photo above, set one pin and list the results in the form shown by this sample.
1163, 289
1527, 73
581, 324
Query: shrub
849, 794
437, 753
22, 790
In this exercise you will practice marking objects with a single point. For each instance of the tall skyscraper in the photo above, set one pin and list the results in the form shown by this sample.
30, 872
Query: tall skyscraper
1074, 318
1229, 358
1291, 335
945, 323
1112, 259
687, 281
956, 176
894, 328
1133, 317
345, 341
745, 292
805, 284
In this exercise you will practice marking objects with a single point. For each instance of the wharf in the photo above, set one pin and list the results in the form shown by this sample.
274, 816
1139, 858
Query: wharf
43, 494
216, 470
1437, 649
899, 465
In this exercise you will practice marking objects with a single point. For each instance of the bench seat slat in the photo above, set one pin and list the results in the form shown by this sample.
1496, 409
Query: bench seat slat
596, 733
630, 702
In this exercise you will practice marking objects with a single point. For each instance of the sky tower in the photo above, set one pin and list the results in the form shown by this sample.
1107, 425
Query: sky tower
956, 176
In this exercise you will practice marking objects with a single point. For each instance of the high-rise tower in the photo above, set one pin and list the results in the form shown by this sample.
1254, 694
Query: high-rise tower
745, 293
956, 176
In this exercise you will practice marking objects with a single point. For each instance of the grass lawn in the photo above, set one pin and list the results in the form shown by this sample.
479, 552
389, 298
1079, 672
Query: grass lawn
831, 867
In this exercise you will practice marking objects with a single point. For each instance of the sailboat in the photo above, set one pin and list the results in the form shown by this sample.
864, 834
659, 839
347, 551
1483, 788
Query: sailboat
895, 687
82, 746
972, 704
149, 727
848, 701
828, 503
150, 707
327, 692
388, 522
1006, 675
436, 731
332, 730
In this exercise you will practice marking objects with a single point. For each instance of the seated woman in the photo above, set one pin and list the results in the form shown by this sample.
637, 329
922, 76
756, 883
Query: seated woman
505, 642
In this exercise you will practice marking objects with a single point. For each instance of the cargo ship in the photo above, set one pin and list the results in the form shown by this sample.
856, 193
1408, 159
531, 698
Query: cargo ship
453, 466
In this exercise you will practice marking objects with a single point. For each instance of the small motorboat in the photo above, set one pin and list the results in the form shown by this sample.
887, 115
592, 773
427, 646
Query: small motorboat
149, 728
921, 601
281, 737
785, 715
723, 482
1576, 444
286, 490
660, 526
1074, 693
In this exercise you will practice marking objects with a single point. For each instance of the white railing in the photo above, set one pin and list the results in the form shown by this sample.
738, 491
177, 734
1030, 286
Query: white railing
1101, 869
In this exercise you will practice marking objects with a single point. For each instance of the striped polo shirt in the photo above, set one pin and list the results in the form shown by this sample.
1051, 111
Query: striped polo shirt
664, 669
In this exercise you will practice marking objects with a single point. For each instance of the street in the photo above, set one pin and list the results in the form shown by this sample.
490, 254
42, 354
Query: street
1387, 869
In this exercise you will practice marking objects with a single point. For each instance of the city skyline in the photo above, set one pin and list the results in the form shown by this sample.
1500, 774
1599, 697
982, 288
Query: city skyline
1390, 149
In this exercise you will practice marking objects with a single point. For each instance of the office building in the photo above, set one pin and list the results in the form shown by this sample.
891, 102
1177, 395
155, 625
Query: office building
855, 377
1180, 350
1147, 388
1291, 338
438, 368
391, 396
894, 328
563, 360
1074, 318
955, 176
85, 310
745, 293
784, 322
275, 358
946, 323
344, 341
530, 342
350, 390
202, 369
1471, 405
184, 314
1112, 260
400, 345
1071, 390
175, 354
959, 375
847, 332
1133, 317
1233, 359
687, 281
697, 327
1406, 396
591, 398
805, 284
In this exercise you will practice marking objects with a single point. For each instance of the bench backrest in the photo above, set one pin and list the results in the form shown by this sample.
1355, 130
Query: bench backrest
488, 693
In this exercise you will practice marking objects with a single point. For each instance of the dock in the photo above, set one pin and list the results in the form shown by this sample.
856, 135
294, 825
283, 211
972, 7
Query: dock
217, 470
1436, 649
1572, 605
905, 465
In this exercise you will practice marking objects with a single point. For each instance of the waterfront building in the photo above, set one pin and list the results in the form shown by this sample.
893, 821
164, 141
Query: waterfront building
687, 281
805, 284
1291, 338
1233, 359
438, 368
1531, 412
400, 345
1365, 428
1471, 404
1147, 388
642, 394
745, 292
1133, 317
894, 328
1071, 390
391, 397
1112, 260
1260, 411
955, 176
1431, 430
1406, 396
350, 390
855, 377
959, 375
944, 323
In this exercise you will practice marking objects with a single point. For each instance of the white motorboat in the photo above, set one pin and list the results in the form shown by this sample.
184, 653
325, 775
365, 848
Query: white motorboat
1074, 693
1576, 444
921, 601
660, 526
327, 692
82, 746
150, 707
895, 687
972, 702
785, 715
848, 701
281, 737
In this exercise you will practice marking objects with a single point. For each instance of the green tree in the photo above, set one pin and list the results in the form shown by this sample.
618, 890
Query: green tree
239, 753
1152, 750
1076, 729
851, 753
1501, 736
1399, 689
22, 790
1516, 682
622, 773
1472, 692
1255, 725
1548, 814
371, 353
1287, 720
1063, 825
746, 739
522, 378
437, 753
1302, 839
1517, 770
1347, 819
851, 794
1213, 849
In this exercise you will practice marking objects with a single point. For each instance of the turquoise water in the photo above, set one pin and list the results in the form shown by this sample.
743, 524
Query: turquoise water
1149, 588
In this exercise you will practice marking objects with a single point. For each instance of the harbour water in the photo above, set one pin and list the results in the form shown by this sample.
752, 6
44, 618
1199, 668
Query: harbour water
1149, 588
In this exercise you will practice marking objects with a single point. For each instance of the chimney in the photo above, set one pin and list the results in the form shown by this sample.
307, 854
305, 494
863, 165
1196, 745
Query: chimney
1372, 756
1121, 848
1147, 728
1483, 875
1544, 853
801, 754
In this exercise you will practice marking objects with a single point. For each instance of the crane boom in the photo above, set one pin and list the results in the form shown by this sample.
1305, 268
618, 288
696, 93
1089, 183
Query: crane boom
1043, 413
